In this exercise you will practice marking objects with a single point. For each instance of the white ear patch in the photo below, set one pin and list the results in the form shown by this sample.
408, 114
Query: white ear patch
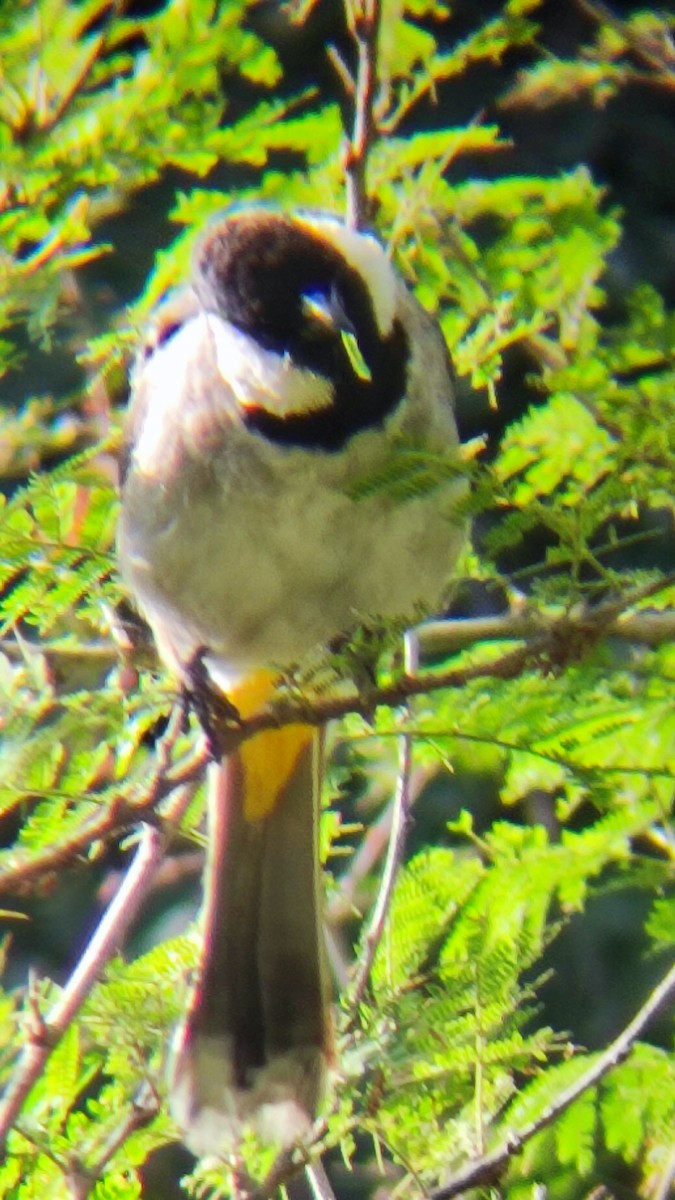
204, 374
365, 254
260, 378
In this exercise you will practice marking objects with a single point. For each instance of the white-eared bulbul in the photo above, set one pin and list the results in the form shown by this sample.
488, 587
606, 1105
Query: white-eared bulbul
278, 380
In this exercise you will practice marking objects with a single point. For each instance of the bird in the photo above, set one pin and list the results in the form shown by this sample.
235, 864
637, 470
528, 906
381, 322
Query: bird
286, 372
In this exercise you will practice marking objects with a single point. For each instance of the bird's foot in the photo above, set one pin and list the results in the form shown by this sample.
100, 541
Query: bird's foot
217, 715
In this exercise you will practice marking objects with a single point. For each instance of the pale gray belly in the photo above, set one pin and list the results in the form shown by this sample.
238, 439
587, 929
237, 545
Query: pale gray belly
262, 569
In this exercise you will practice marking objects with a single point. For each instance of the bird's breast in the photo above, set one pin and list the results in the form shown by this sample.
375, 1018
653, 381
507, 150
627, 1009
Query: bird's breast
261, 558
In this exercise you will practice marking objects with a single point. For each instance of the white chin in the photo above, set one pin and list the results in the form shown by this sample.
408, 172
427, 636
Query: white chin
261, 378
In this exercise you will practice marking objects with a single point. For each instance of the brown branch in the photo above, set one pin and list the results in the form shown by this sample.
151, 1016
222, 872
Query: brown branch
364, 18
45, 1032
488, 1168
550, 641
79, 82
122, 813
391, 695
76, 86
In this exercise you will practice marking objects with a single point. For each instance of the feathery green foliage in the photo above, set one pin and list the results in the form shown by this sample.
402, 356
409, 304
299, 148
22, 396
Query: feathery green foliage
572, 758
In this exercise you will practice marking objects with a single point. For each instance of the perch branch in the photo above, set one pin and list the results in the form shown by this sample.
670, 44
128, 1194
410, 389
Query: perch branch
546, 641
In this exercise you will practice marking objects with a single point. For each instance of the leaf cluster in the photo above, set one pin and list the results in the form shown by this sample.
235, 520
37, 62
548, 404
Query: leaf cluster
572, 760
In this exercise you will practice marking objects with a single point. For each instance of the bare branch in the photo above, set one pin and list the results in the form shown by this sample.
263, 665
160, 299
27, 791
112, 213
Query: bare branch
395, 849
319, 1181
45, 1033
447, 637
364, 18
488, 1167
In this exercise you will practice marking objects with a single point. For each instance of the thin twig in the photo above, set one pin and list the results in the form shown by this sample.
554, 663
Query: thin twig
318, 1181
658, 57
399, 828
664, 1188
46, 1032
103, 650
342, 71
80, 80
145, 1107
363, 860
123, 812
488, 1168
364, 18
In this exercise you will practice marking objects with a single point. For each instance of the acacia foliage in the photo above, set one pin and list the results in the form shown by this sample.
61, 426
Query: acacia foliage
450, 1051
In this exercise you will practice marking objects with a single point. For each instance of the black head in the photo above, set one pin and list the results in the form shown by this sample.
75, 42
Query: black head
275, 278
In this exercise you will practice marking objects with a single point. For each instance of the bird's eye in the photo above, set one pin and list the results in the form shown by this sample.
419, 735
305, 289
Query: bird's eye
329, 310
321, 306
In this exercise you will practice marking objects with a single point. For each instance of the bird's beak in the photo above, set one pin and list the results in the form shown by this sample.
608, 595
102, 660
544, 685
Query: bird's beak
328, 310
